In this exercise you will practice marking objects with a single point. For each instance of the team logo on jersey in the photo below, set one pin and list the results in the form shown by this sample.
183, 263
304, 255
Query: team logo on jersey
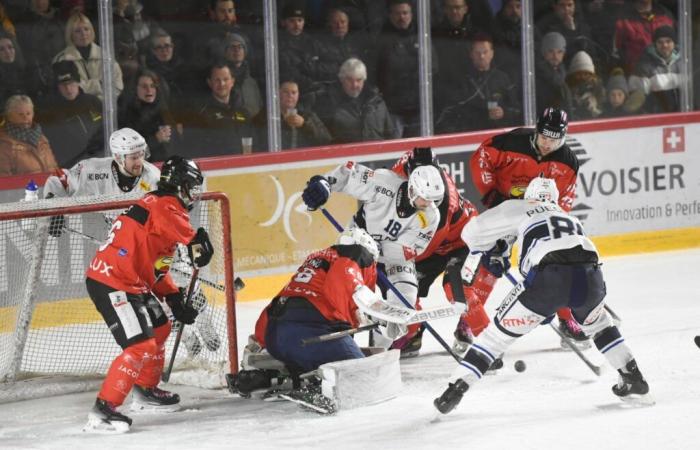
517, 191
122, 252
145, 186
163, 264
98, 176
422, 219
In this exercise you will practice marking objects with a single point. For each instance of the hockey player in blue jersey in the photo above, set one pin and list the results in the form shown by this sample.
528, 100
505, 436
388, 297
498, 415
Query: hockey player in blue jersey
560, 269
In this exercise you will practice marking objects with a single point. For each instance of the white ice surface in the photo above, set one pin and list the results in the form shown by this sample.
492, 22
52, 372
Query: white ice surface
557, 403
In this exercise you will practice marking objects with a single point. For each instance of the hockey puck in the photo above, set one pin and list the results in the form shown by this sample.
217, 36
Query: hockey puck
697, 341
520, 366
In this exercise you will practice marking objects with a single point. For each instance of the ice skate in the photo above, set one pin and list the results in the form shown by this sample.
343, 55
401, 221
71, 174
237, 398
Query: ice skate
246, 381
410, 347
631, 386
154, 400
495, 366
310, 397
451, 397
572, 330
104, 418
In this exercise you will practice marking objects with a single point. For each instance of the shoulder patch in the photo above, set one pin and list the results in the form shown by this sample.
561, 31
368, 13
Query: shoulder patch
422, 219
145, 186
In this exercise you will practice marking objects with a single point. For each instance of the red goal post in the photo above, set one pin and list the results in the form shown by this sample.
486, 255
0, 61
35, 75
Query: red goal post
48, 324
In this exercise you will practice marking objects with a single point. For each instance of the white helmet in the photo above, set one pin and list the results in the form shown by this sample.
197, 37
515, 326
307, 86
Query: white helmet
542, 189
126, 141
358, 236
426, 182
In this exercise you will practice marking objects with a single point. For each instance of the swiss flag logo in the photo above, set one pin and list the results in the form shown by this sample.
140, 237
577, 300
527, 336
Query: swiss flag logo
674, 139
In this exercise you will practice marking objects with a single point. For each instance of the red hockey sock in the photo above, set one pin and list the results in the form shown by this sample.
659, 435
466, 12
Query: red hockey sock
153, 366
564, 314
125, 370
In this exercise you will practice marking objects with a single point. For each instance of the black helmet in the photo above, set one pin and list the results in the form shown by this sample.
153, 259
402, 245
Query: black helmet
182, 177
553, 123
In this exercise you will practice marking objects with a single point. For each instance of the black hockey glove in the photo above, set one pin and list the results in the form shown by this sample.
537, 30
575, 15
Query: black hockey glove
200, 249
56, 226
316, 192
420, 156
182, 312
497, 260
493, 198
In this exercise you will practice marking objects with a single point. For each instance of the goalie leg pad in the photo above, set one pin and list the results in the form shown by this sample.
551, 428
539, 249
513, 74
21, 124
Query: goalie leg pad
124, 371
360, 382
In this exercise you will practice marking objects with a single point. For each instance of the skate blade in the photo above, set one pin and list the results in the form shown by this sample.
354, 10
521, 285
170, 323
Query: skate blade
411, 354
639, 400
96, 425
306, 405
146, 408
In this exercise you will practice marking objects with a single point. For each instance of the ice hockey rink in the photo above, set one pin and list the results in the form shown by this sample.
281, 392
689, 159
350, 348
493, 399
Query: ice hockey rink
557, 403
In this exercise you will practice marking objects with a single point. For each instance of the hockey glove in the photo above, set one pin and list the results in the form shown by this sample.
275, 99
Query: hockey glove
392, 330
420, 156
56, 226
200, 249
316, 192
493, 198
497, 260
182, 312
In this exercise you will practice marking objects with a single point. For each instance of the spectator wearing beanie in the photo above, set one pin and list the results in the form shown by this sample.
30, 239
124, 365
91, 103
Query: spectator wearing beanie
586, 87
616, 95
656, 77
550, 78
236, 56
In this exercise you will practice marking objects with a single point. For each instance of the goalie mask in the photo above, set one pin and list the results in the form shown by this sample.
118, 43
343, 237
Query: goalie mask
358, 236
426, 182
182, 177
129, 150
542, 189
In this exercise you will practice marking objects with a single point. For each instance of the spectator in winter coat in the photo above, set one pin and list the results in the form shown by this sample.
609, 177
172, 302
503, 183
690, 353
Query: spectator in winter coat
13, 76
657, 77
71, 119
507, 38
551, 88
353, 111
487, 98
586, 88
143, 108
570, 23
81, 48
300, 126
616, 92
23, 147
235, 53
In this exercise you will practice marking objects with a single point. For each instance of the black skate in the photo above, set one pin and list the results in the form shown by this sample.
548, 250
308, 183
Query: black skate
451, 397
154, 400
412, 348
572, 330
247, 381
309, 397
631, 385
104, 418
496, 365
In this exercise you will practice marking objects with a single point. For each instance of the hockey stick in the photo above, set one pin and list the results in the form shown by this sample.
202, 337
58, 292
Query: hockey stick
337, 334
238, 283
595, 369
389, 285
188, 300
614, 316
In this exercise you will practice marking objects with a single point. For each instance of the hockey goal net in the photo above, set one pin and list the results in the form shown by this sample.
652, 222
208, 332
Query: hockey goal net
49, 327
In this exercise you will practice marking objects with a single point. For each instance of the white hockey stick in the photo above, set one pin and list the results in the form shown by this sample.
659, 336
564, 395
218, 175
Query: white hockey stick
381, 310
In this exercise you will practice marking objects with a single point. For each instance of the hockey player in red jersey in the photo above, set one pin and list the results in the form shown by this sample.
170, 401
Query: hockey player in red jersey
447, 253
127, 279
504, 164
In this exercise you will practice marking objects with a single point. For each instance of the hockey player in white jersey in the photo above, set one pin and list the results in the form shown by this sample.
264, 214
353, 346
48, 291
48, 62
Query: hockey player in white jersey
560, 268
125, 171
400, 215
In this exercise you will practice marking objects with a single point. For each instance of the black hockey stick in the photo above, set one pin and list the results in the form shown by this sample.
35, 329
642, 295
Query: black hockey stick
337, 334
188, 300
595, 369
389, 285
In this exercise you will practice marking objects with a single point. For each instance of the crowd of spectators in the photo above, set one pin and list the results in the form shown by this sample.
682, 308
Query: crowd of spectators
190, 75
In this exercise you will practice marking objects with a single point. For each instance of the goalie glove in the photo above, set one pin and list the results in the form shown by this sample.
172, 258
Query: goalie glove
200, 249
182, 312
391, 330
497, 260
372, 308
316, 193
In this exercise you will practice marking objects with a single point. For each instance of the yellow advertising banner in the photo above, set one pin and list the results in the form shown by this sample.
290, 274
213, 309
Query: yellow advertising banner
272, 230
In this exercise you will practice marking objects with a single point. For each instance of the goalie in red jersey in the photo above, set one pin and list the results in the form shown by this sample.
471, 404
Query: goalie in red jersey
128, 278
504, 165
